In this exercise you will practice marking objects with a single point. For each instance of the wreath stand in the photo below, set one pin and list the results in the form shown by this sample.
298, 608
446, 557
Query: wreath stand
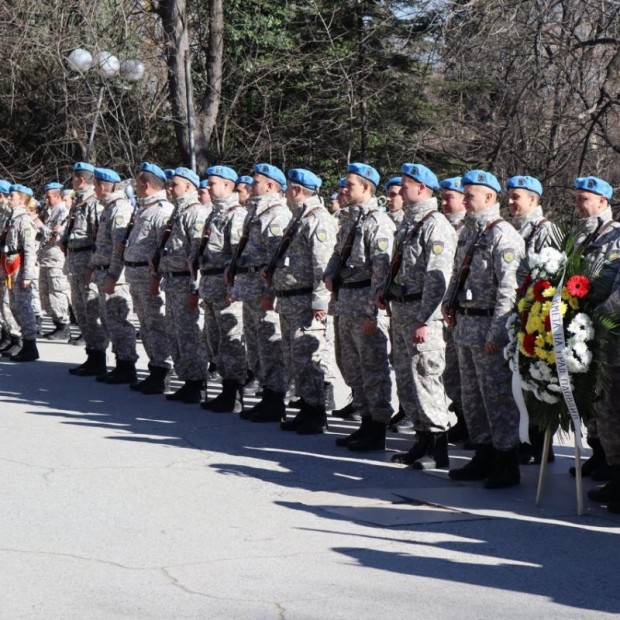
543, 471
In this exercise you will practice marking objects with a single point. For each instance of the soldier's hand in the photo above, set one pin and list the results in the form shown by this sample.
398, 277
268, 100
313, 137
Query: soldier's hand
447, 317
492, 347
319, 315
266, 304
420, 333
56, 228
154, 287
26, 283
192, 302
369, 326
329, 283
109, 286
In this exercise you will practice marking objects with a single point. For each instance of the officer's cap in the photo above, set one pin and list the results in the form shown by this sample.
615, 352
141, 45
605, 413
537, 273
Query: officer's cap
245, 179
393, 181
595, 186
421, 174
5, 187
223, 171
107, 175
154, 169
305, 178
271, 172
481, 177
453, 183
22, 189
529, 183
188, 175
365, 171
53, 185
82, 166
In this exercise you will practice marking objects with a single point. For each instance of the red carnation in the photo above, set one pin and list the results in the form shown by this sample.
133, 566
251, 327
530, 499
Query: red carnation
539, 287
578, 286
548, 323
529, 343
524, 317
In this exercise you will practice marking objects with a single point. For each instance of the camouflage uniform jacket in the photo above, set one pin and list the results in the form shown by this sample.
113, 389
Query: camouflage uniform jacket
456, 219
110, 234
267, 218
226, 228
20, 239
428, 258
396, 216
369, 259
601, 235
305, 261
50, 254
491, 283
152, 216
87, 213
537, 232
184, 239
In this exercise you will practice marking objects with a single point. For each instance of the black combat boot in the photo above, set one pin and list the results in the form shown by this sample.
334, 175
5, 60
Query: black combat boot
478, 468
296, 404
230, 400
610, 492
273, 409
437, 456
28, 352
5, 338
13, 347
505, 472
596, 466
139, 385
246, 414
458, 433
315, 421
330, 402
421, 447
157, 382
94, 365
346, 413
372, 439
293, 424
343, 442
62, 332
189, 393
124, 373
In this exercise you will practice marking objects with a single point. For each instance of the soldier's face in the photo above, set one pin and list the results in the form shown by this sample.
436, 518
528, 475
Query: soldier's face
521, 202
179, 186
219, 188
588, 204
478, 198
410, 190
451, 201
262, 185
244, 190
394, 199
356, 190
334, 205
102, 189
16, 199
76, 182
53, 197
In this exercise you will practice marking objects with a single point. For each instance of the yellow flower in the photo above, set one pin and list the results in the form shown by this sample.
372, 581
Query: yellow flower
563, 308
522, 305
529, 295
573, 302
540, 341
549, 338
546, 308
549, 292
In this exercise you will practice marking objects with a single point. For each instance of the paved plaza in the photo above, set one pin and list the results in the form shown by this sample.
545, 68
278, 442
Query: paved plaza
119, 505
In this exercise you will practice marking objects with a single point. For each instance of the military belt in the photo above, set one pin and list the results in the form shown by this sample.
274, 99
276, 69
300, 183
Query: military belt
476, 311
11, 252
83, 248
176, 274
295, 292
360, 284
101, 267
248, 269
405, 298
213, 272
129, 263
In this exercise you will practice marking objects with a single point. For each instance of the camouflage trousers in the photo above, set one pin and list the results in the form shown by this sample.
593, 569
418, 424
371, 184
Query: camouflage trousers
85, 302
189, 352
151, 316
451, 375
224, 325
116, 309
365, 367
54, 293
608, 418
490, 412
251, 344
328, 358
304, 339
36, 297
419, 371
20, 299
264, 329
5, 307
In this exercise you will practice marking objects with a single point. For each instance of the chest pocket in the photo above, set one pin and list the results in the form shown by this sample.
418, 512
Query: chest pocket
216, 240
358, 256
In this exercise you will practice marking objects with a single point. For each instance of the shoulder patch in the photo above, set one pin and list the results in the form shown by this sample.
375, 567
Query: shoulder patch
198, 226
613, 255
120, 220
275, 230
383, 243
27, 232
438, 247
321, 234
508, 256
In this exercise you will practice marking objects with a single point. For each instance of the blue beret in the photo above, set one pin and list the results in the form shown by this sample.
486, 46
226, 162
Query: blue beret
271, 172
147, 166
529, 183
333, 196
16, 187
5, 187
107, 175
365, 171
480, 177
393, 181
82, 166
594, 185
223, 171
305, 178
188, 175
421, 174
342, 181
453, 183
53, 185
203, 184
245, 179
169, 172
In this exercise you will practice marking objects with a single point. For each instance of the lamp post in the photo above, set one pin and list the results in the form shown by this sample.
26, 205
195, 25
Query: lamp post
107, 66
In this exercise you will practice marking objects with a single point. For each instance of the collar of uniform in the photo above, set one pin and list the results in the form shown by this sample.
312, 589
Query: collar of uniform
312, 203
267, 201
365, 207
87, 194
154, 198
415, 211
482, 217
224, 204
533, 217
113, 197
18, 211
187, 200
589, 224
455, 218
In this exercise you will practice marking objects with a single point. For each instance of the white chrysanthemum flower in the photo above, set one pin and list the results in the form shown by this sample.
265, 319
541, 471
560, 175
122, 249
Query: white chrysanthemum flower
554, 387
581, 327
541, 371
578, 358
546, 397
548, 262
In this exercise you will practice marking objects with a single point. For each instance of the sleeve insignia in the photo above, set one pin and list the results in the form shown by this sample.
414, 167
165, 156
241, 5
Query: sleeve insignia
198, 226
27, 232
613, 255
120, 220
508, 256
321, 234
275, 230
383, 244
438, 247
